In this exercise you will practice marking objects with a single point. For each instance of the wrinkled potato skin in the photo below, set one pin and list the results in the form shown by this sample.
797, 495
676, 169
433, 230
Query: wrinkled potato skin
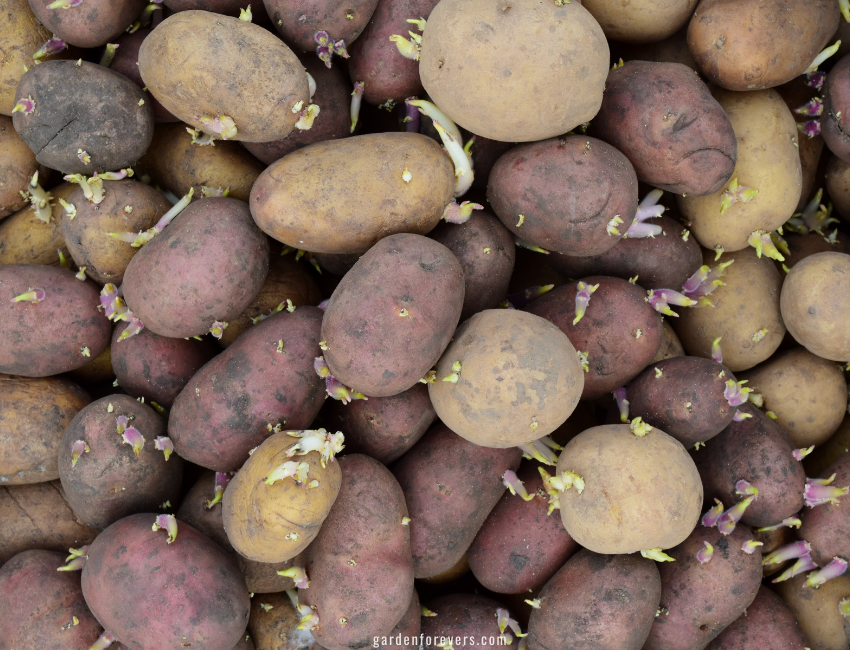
639, 493
324, 198
837, 186
614, 596
17, 165
297, 21
808, 394
33, 416
664, 119
815, 305
644, 21
750, 44
817, 610
238, 69
49, 337
94, 23
25, 239
768, 161
20, 37
671, 346
567, 193
276, 629
747, 303
827, 528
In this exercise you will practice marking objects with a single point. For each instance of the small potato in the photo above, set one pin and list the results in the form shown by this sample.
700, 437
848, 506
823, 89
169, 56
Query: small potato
35, 415
768, 161
94, 23
829, 452
827, 527
17, 165
817, 610
299, 22
639, 493
645, 21
126, 61
838, 186
671, 346
506, 379
563, 194
751, 44
343, 196
815, 304
745, 313
807, 394
614, 596
21, 35
276, 627
767, 623
26, 239
466, 621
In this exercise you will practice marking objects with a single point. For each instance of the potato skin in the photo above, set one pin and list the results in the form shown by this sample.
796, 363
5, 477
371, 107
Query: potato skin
231, 404
96, 23
21, 35
817, 610
836, 100
17, 165
568, 189
298, 21
671, 346
346, 215
645, 21
827, 528
802, 246
49, 337
126, 61
26, 240
276, 629
237, 262
838, 186
768, 623
450, 486
460, 619
614, 596
201, 598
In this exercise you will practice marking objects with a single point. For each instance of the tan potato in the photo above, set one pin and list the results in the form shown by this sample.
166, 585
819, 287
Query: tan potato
20, 37
639, 492
26, 239
817, 610
671, 346
815, 305
17, 165
275, 627
808, 394
744, 306
342, 196
768, 161
640, 21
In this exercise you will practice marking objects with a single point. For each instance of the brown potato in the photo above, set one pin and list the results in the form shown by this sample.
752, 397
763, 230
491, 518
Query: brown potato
96, 371
671, 346
298, 21
817, 610
642, 21
836, 102
826, 454
17, 165
838, 186
802, 246
96, 23
275, 627
126, 61
25, 239
673, 49
21, 35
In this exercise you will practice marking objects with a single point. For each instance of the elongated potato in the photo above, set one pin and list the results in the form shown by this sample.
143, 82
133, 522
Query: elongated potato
24, 239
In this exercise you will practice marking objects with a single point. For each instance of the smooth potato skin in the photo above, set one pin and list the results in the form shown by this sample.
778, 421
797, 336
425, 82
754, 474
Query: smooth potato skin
96, 23
838, 186
450, 486
49, 337
229, 405
343, 196
644, 21
174, 294
768, 623
126, 61
461, 618
21, 35
817, 610
827, 528
297, 21
671, 346
17, 165
26, 240
568, 189
151, 594
597, 602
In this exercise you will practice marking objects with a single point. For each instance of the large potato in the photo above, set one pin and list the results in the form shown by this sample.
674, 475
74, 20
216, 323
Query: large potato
480, 58
25, 239
21, 35
640, 21
768, 161
17, 165
343, 196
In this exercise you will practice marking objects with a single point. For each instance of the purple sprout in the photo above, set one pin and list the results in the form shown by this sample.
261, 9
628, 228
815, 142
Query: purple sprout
32, 295
583, 299
661, 299
810, 128
815, 79
165, 445
25, 106
813, 107
740, 416
716, 352
703, 282
298, 574
167, 523
51, 47
749, 547
356, 100
648, 208
735, 392
832, 570
515, 486
458, 214
805, 563
78, 449
221, 481
705, 553
133, 437
709, 519
819, 492
411, 117
788, 552
76, 560
745, 489
622, 404
790, 522
800, 454
729, 519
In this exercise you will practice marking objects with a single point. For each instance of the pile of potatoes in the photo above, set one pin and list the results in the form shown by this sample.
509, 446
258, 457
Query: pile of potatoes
424, 324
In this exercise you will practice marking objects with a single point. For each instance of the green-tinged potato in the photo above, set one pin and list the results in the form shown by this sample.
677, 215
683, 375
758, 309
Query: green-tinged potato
671, 346
343, 196
838, 186
639, 492
745, 312
274, 522
807, 394
26, 239
63, 331
466, 621
450, 485
614, 596
817, 610
86, 118
89, 24
177, 292
768, 161
815, 305
17, 166
263, 381
275, 627
699, 599
299, 22
97, 371
393, 314
37, 603
619, 333
801, 246
479, 59
506, 379
755, 450
21, 35
750, 44
34, 414
644, 21
89, 234
240, 82
830, 451
827, 527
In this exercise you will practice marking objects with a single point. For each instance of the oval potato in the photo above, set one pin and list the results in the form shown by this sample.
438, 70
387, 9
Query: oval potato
640, 21
21, 35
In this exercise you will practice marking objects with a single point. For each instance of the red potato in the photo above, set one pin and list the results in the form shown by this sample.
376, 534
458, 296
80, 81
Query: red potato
466, 622
126, 62
298, 21
767, 623
827, 527
89, 24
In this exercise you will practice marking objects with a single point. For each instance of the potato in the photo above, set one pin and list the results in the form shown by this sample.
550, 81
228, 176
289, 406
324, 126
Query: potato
25, 239
619, 334
664, 119
826, 527
393, 314
35, 414
276, 628
226, 7
96, 371
249, 391
745, 313
450, 485
238, 71
96, 23
262, 577
655, 503
518, 379
275, 522
38, 517
126, 61
817, 610
815, 304
37, 603
200, 597
838, 186
343, 196
758, 451
17, 165
700, 600
829, 452
61, 332
298, 22
475, 65
406, 634
750, 45
21, 35
614, 597
83, 108
768, 161
216, 291
466, 621
673, 49
671, 346
647, 21
801, 246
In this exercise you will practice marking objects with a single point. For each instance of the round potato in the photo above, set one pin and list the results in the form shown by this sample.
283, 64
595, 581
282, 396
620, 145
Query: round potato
21, 35
817, 610
476, 65
26, 239
640, 21
276, 627
299, 21
89, 24
17, 165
